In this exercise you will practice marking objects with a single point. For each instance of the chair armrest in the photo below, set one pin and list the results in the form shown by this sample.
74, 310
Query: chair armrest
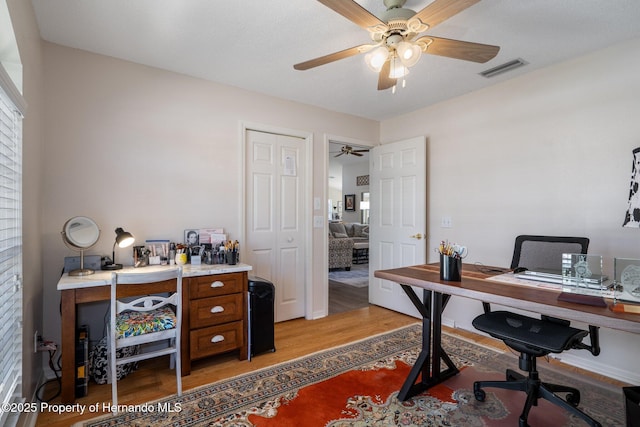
594, 337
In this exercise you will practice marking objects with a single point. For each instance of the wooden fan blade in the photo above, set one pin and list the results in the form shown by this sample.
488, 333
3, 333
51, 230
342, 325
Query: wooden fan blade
338, 155
384, 81
441, 10
356, 154
326, 59
353, 12
458, 49
360, 151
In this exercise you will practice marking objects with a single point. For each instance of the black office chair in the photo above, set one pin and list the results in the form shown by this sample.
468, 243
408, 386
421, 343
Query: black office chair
534, 338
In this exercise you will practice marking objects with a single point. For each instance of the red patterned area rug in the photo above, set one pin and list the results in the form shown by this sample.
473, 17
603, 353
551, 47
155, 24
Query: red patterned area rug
356, 386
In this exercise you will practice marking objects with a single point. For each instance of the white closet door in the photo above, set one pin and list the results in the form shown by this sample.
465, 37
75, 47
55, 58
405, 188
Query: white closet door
275, 226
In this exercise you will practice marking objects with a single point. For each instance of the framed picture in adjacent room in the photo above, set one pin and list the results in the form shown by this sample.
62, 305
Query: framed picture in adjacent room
350, 202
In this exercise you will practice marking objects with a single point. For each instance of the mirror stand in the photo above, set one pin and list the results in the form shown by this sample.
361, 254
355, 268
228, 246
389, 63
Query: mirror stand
81, 271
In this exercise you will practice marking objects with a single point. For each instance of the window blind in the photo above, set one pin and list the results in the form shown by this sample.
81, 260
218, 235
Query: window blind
10, 254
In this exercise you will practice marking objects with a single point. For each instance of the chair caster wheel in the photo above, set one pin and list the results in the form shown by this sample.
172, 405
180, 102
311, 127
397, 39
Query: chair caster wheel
573, 399
522, 423
480, 395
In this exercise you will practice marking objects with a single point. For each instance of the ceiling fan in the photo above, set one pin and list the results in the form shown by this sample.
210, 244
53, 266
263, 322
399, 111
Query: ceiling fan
396, 45
347, 149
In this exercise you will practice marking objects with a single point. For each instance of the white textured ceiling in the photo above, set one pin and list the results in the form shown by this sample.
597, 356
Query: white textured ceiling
253, 44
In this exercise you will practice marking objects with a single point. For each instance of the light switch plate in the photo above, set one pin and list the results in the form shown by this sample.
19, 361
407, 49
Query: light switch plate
316, 203
318, 221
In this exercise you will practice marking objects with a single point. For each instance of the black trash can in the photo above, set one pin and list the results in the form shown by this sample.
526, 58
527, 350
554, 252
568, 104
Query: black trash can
632, 405
261, 316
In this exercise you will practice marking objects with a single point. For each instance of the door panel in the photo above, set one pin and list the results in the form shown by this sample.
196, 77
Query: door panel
398, 214
262, 219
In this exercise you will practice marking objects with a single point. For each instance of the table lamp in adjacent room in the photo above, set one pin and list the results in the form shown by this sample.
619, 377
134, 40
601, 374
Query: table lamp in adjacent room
123, 239
364, 208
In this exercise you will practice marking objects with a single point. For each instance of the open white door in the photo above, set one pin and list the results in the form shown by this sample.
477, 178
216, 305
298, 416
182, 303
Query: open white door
398, 220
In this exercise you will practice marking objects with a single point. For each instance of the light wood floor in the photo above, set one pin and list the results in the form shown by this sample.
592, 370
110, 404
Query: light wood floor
293, 339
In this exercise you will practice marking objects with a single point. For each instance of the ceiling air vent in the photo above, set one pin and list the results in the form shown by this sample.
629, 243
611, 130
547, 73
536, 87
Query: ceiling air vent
503, 68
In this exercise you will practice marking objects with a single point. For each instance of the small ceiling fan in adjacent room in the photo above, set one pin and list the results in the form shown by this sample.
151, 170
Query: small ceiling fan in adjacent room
397, 40
348, 150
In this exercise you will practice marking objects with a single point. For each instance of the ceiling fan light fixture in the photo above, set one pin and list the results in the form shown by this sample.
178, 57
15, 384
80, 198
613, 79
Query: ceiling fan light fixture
409, 53
394, 50
376, 58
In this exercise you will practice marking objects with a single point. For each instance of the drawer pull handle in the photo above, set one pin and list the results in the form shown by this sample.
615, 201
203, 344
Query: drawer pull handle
217, 284
217, 309
217, 338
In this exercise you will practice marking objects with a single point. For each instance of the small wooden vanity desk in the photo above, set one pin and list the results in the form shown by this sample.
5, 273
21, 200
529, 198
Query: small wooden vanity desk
203, 286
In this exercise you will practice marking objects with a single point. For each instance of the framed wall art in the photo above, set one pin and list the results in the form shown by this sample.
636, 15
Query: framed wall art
350, 202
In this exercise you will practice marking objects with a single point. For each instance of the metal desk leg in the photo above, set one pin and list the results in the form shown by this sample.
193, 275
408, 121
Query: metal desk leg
428, 364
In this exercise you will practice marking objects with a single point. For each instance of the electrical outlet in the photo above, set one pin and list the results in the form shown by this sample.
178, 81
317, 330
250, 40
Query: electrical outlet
446, 222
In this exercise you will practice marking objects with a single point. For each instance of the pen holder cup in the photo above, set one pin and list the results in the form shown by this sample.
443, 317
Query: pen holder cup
181, 259
450, 268
232, 257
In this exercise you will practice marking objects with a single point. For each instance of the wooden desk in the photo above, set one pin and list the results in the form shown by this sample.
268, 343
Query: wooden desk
479, 286
97, 287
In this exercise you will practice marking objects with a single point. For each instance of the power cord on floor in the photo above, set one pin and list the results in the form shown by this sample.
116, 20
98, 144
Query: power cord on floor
51, 348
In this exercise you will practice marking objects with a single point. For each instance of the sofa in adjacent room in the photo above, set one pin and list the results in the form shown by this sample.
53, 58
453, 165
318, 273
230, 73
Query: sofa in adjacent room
352, 230
340, 253
342, 232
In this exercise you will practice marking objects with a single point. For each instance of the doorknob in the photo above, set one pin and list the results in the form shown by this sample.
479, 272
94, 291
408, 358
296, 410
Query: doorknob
417, 236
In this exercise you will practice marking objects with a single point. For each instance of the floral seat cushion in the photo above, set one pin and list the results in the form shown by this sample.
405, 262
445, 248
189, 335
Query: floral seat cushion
132, 323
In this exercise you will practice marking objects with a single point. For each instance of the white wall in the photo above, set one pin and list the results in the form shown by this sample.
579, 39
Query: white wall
545, 153
349, 174
157, 152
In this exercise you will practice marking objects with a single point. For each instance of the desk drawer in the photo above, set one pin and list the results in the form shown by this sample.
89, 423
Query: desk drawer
216, 339
218, 284
215, 310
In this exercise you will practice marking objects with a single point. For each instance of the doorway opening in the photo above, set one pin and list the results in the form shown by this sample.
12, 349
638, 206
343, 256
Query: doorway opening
348, 216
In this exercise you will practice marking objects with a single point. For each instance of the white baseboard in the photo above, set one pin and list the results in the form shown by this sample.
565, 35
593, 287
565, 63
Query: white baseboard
317, 315
32, 417
449, 322
594, 366
590, 364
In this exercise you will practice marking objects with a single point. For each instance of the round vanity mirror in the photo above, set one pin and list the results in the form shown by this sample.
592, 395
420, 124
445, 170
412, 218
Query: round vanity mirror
80, 233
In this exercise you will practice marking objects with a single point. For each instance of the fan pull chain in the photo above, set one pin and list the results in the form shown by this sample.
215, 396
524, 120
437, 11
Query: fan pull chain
393, 88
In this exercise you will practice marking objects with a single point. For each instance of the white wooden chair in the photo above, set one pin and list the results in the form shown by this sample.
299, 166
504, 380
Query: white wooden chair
146, 319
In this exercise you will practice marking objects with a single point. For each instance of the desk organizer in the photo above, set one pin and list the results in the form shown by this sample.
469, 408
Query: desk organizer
450, 268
